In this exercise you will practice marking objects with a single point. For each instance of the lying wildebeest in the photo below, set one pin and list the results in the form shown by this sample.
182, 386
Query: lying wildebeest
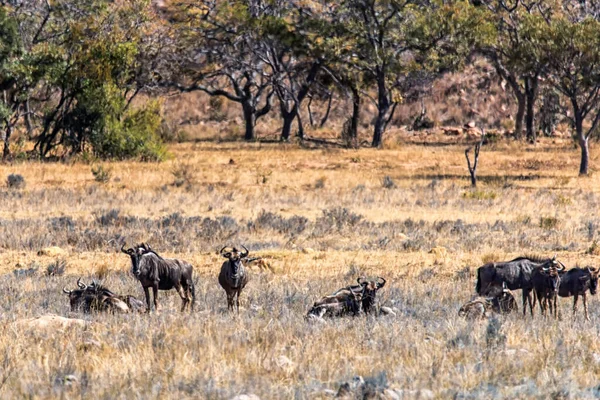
159, 273
501, 301
368, 291
575, 282
546, 282
516, 274
343, 302
94, 297
233, 276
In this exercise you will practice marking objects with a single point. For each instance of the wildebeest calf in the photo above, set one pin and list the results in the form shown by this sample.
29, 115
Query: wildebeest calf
343, 302
546, 282
576, 282
501, 301
368, 291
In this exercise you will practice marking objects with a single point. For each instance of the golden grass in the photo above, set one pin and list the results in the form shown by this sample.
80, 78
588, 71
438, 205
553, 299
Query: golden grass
420, 234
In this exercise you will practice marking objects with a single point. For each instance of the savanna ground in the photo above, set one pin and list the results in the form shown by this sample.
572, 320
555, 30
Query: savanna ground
322, 218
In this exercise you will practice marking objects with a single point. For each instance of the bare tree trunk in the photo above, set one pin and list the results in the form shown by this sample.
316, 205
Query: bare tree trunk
288, 120
326, 116
7, 135
249, 120
353, 133
583, 144
521, 106
28, 122
473, 168
531, 86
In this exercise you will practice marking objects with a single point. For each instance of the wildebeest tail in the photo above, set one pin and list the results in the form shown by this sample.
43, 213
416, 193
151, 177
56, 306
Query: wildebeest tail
193, 292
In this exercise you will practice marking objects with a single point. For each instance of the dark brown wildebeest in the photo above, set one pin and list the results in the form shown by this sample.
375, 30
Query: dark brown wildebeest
546, 282
233, 276
575, 282
159, 273
94, 297
343, 302
501, 301
516, 274
368, 291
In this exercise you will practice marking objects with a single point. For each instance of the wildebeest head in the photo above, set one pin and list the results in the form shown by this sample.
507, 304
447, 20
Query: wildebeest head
235, 257
369, 290
135, 253
553, 277
592, 277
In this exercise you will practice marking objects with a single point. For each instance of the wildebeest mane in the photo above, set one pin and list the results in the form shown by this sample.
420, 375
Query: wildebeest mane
532, 257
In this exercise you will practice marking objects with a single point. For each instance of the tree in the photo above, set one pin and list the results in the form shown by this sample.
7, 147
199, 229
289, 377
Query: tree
391, 39
571, 47
512, 57
218, 55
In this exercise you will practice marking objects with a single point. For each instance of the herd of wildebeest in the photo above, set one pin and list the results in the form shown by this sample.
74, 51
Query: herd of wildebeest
544, 279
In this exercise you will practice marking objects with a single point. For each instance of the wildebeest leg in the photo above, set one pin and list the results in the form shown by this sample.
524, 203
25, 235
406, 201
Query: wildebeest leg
575, 304
230, 300
555, 307
587, 317
155, 295
237, 301
183, 296
540, 300
147, 293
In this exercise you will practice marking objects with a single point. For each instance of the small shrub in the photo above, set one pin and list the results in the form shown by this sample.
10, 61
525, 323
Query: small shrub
15, 181
262, 176
101, 174
136, 135
479, 195
216, 112
594, 249
549, 222
184, 175
320, 183
56, 268
388, 183
563, 200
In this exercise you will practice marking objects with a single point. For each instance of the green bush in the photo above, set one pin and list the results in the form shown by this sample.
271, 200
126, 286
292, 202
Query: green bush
135, 135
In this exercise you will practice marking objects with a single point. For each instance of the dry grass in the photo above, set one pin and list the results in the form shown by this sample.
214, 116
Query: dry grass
321, 218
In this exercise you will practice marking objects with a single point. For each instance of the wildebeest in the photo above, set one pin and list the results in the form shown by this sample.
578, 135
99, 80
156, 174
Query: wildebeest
501, 301
546, 282
516, 274
159, 273
576, 282
343, 302
368, 290
94, 297
233, 276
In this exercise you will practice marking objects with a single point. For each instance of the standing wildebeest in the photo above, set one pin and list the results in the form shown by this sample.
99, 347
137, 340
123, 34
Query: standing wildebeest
368, 291
576, 282
516, 274
546, 282
95, 297
342, 302
159, 273
233, 276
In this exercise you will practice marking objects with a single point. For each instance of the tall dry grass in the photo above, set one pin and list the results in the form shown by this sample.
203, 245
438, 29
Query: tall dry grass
322, 218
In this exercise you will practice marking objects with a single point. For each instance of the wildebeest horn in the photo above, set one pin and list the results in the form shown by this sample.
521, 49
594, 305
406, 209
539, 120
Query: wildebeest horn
554, 258
563, 266
81, 284
545, 269
66, 291
221, 252
383, 281
361, 280
245, 254
123, 248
